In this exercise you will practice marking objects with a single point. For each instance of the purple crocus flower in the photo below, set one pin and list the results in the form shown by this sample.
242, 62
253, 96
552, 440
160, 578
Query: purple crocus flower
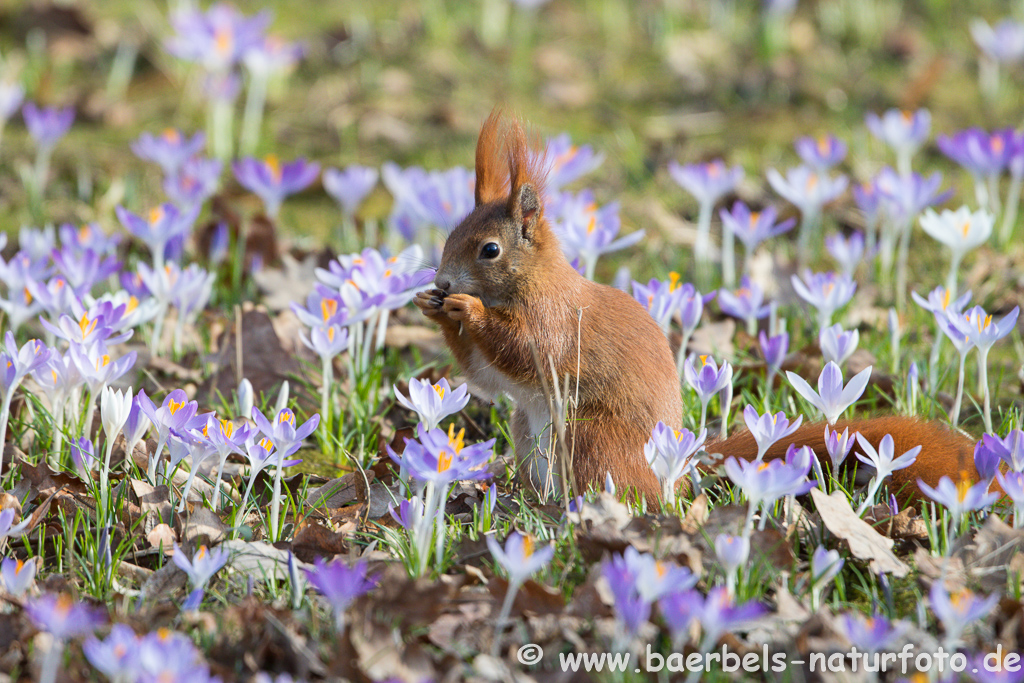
669, 454
910, 194
163, 224
746, 303
707, 381
47, 125
979, 327
349, 187
117, 657
433, 402
1010, 448
272, 55
825, 565
203, 565
883, 462
410, 512
986, 461
821, 154
871, 634
283, 432
959, 610
961, 497
340, 585
176, 413
767, 481
768, 429
1003, 43
982, 154
679, 609
326, 341
774, 350
837, 344
19, 362
847, 251
660, 299
7, 526
732, 553
827, 292
1012, 484
83, 457
17, 576
566, 162
838, 446
443, 458
272, 181
84, 269
903, 131
868, 200
807, 189
169, 150
832, 399
707, 182
62, 617
520, 558
168, 656
195, 182
586, 231
217, 38
753, 227
720, 614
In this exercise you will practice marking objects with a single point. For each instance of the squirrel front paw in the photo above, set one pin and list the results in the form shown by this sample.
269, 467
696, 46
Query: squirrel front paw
462, 307
430, 302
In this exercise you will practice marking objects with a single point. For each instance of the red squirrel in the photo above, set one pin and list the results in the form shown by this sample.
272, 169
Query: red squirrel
504, 289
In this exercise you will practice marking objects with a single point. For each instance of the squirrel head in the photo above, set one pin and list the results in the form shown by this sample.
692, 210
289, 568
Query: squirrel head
496, 251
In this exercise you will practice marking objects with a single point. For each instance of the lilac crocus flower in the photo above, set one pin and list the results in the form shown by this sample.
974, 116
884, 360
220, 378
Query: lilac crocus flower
908, 195
720, 614
47, 125
669, 454
433, 402
217, 38
821, 154
1012, 484
520, 558
707, 381
679, 609
806, 188
272, 181
17, 576
84, 269
8, 528
168, 656
631, 609
708, 183
1010, 448
774, 350
159, 227
848, 252
981, 154
196, 181
827, 292
410, 513
327, 342
117, 657
62, 617
903, 131
986, 461
768, 429
340, 585
200, 569
169, 150
961, 497
832, 398
83, 457
837, 344
732, 553
883, 463
767, 481
566, 162
660, 299
825, 565
283, 432
871, 634
753, 227
838, 446
979, 329
349, 187
175, 413
1003, 43
746, 303
957, 611
960, 231
15, 364
444, 458
586, 231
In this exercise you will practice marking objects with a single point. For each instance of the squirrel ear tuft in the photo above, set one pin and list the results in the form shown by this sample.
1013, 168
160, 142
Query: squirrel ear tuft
526, 209
491, 174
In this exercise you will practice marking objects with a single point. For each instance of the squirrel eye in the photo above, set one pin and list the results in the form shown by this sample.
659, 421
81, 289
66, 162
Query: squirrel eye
490, 250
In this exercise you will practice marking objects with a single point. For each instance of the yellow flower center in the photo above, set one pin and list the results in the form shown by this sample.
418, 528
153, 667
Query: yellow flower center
527, 546
286, 416
171, 135
592, 224
28, 296
173, 406
328, 307
156, 214
86, 325
274, 165
456, 441
945, 300
133, 303
103, 361
963, 486
673, 281
967, 228
812, 182
440, 391
823, 145
224, 40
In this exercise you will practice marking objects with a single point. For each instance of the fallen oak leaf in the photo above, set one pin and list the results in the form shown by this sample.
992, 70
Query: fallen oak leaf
865, 543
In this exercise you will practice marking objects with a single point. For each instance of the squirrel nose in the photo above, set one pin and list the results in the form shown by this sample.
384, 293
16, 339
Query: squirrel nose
442, 283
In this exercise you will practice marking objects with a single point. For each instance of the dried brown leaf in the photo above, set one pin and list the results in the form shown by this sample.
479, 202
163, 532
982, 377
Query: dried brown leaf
865, 543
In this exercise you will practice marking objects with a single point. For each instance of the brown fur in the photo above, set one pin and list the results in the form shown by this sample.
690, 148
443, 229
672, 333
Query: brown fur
494, 312
944, 452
